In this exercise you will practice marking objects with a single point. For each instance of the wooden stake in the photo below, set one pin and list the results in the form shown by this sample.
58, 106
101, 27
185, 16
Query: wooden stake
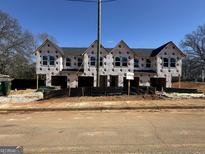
37, 81
179, 82
128, 87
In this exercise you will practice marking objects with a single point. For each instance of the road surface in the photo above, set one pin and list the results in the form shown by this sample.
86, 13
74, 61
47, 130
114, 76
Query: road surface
169, 132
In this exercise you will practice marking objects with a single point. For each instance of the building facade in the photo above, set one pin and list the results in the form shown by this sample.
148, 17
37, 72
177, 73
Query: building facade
76, 67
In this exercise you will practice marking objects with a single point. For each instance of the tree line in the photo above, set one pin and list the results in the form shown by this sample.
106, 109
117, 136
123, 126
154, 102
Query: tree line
194, 63
17, 46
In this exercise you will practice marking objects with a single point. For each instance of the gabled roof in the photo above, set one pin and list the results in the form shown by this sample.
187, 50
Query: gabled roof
141, 52
93, 44
50, 42
158, 50
123, 42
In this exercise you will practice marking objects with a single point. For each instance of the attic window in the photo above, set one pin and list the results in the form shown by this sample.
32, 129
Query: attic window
119, 46
92, 61
165, 53
48, 45
92, 52
165, 62
117, 61
48, 51
68, 62
124, 61
101, 61
80, 62
127, 52
51, 60
56, 51
45, 60
148, 63
136, 63
40, 51
92, 46
174, 47
172, 62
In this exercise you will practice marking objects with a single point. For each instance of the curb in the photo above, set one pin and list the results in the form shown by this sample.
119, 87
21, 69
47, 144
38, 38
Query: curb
98, 108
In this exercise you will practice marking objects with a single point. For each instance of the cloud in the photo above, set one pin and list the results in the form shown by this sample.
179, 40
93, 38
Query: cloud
110, 41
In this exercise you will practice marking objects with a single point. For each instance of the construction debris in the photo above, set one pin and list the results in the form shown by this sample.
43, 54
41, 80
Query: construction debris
22, 98
183, 95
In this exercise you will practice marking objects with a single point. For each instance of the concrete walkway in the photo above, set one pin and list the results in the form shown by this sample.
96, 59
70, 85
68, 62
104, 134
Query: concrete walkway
62, 104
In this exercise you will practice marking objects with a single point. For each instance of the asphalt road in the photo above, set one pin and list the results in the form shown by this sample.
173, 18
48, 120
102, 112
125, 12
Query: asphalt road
169, 132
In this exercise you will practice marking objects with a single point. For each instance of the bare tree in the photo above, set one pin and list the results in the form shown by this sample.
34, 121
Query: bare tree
14, 42
194, 45
43, 36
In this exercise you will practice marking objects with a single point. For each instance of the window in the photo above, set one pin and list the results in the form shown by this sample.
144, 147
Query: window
173, 62
148, 63
136, 63
165, 62
101, 61
92, 61
117, 61
124, 61
80, 61
45, 60
52, 60
68, 62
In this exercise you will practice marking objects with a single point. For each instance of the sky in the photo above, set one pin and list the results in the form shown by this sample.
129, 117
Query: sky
140, 23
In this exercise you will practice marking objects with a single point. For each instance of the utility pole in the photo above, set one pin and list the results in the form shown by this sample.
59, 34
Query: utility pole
98, 33
98, 46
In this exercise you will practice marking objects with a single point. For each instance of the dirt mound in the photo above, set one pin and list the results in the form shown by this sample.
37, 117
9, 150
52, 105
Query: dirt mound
194, 85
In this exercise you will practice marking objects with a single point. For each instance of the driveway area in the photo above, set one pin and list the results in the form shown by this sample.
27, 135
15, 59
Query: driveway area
151, 132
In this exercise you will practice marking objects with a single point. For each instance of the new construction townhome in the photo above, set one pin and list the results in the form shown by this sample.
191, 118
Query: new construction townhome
76, 67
